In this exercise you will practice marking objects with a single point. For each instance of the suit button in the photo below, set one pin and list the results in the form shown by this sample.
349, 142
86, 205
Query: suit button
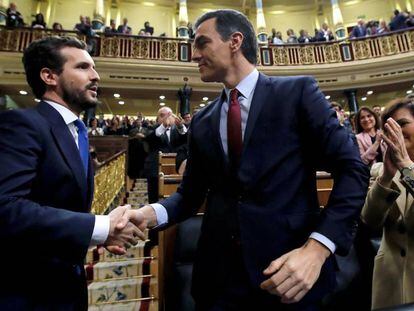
403, 253
401, 228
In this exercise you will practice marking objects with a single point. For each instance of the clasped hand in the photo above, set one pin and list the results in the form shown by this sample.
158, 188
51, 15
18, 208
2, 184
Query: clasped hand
126, 228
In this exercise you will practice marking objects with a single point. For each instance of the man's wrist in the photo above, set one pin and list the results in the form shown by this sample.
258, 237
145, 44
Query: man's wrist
318, 247
150, 215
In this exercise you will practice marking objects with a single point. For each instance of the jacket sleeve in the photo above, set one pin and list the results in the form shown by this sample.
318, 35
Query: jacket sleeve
55, 232
368, 155
331, 149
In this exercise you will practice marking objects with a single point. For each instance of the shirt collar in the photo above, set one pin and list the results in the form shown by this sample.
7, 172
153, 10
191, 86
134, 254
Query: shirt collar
67, 115
245, 86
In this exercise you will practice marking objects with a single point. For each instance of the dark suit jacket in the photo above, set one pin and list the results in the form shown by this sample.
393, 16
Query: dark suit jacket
358, 32
291, 132
45, 227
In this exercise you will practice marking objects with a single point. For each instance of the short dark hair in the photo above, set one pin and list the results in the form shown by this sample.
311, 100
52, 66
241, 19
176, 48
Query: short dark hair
358, 126
397, 104
229, 22
45, 53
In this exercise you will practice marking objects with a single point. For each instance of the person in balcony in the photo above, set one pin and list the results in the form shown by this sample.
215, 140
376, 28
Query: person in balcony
111, 29
360, 30
13, 17
148, 28
291, 37
124, 28
398, 21
305, 37
39, 22
383, 27
57, 27
369, 136
277, 37
324, 34
389, 207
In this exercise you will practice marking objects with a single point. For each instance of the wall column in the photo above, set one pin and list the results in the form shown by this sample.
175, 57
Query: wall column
4, 4
98, 15
338, 20
184, 95
183, 20
261, 23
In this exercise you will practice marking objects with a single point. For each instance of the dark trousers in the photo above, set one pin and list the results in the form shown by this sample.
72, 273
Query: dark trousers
239, 294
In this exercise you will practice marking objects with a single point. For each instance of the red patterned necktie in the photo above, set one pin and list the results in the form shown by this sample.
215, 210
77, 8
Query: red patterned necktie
234, 130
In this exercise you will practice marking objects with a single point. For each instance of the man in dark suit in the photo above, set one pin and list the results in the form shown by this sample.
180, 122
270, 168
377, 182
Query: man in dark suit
166, 137
124, 28
46, 185
360, 30
253, 154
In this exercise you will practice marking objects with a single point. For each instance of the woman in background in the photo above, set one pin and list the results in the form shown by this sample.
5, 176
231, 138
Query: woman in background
368, 136
389, 205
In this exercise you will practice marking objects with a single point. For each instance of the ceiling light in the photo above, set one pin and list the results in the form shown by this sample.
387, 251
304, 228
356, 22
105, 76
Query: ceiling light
22, 92
370, 92
205, 99
116, 95
121, 102
277, 12
148, 3
363, 98
37, 100
409, 91
162, 104
162, 97
327, 96
352, 2
202, 105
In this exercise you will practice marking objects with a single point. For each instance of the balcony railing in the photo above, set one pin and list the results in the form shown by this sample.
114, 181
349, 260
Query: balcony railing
173, 49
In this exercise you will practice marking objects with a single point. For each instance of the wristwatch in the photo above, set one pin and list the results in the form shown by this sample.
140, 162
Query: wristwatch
407, 171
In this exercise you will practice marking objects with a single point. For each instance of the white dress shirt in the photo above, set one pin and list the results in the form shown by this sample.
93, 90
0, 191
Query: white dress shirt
102, 223
246, 89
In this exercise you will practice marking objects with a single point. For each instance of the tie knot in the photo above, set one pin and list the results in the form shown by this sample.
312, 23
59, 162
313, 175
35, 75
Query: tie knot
80, 125
234, 95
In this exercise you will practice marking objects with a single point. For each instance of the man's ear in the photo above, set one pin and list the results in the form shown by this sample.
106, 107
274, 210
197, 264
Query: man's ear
48, 76
236, 41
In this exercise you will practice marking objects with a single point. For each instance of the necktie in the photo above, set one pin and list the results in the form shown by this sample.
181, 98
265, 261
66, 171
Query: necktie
234, 131
83, 144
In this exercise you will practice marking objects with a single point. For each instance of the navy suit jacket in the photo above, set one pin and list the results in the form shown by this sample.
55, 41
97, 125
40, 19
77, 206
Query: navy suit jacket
45, 227
291, 133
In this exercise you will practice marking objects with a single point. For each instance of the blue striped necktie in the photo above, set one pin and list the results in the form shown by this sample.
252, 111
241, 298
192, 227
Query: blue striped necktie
83, 143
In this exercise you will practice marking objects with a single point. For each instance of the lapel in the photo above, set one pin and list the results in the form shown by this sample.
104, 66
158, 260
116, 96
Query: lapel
402, 199
215, 125
67, 146
259, 98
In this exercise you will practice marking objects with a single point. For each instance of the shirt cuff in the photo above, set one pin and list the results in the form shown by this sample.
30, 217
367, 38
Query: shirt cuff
324, 240
182, 130
161, 212
101, 230
160, 130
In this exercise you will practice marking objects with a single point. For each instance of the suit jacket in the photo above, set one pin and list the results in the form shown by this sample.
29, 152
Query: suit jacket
366, 150
358, 32
44, 202
291, 132
392, 210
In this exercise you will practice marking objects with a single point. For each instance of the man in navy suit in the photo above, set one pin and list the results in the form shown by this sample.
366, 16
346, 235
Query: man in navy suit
253, 154
46, 185
360, 30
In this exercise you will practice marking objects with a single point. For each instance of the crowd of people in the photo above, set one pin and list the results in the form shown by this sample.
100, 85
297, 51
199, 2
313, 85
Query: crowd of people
400, 20
265, 243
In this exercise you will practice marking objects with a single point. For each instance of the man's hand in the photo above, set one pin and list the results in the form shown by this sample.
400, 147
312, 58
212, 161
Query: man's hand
178, 120
293, 274
122, 233
139, 219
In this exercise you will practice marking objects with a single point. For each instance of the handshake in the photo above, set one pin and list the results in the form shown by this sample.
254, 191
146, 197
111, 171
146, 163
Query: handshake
127, 226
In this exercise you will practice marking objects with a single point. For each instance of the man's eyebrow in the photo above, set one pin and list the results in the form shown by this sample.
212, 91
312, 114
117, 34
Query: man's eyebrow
200, 40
